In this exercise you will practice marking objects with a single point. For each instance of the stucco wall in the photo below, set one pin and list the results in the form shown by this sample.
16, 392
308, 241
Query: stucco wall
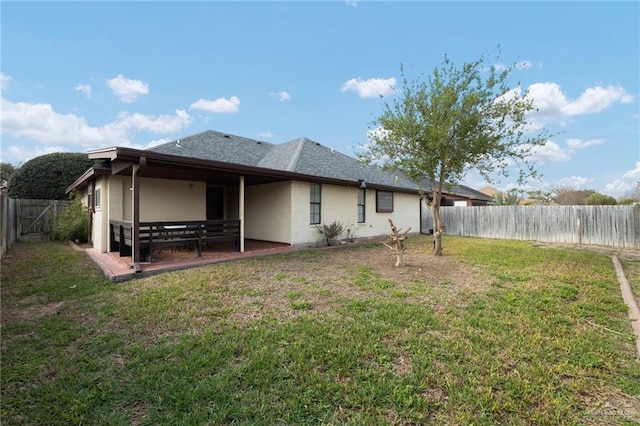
406, 213
339, 203
267, 212
166, 200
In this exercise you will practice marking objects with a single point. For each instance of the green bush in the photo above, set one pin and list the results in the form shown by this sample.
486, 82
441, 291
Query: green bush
331, 232
72, 224
48, 176
597, 199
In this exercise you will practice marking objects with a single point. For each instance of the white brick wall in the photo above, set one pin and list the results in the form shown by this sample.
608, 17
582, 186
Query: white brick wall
267, 212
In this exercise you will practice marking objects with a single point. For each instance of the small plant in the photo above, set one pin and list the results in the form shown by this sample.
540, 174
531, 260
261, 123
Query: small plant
72, 224
331, 232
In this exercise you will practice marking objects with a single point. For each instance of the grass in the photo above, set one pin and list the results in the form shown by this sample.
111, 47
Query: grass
495, 332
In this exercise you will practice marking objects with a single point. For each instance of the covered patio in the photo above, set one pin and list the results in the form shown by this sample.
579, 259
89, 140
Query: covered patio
120, 268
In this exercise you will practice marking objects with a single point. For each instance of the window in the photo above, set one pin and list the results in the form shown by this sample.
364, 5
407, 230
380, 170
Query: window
315, 199
384, 202
97, 198
361, 205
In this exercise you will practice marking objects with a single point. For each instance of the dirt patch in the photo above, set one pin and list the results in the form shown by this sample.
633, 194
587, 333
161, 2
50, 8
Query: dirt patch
29, 308
295, 286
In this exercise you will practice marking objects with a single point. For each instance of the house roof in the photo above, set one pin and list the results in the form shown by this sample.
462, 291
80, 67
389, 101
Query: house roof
213, 155
301, 156
471, 193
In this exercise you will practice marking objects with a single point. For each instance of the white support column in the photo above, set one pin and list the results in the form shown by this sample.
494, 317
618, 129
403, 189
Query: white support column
241, 214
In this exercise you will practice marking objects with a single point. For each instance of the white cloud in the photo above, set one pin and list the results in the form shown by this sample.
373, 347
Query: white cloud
577, 182
156, 143
85, 89
5, 80
573, 143
265, 135
370, 88
220, 105
39, 122
127, 90
160, 124
550, 152
626, 184
353, 3
282, 96
596, 99
24, 153
550, 100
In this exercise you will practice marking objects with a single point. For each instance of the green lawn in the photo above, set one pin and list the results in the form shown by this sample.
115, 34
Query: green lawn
494, 332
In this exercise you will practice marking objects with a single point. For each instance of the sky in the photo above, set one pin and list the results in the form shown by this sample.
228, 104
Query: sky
79, 76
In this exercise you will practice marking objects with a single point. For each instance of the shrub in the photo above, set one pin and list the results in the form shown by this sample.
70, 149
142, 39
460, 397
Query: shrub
331, 232
600, 199
48, 176
72, 224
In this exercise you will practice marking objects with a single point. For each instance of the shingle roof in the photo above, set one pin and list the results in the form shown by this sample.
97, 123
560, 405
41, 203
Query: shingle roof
302, 156
217, 146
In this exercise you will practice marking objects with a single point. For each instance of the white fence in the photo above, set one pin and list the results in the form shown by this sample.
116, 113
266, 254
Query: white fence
616, 226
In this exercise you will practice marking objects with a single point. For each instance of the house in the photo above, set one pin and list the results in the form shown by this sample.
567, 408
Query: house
273, 192
493, 193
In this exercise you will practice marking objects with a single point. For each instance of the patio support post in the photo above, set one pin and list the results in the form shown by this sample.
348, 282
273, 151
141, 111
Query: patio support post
241, 214
135, 216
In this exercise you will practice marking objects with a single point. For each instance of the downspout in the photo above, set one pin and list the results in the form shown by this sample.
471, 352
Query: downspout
241, 214
135, 206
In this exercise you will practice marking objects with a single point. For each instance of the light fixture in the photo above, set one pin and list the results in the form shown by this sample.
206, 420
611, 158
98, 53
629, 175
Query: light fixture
362, 183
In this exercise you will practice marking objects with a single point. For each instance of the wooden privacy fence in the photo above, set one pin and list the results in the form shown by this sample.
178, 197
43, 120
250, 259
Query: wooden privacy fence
27, 220
616, 226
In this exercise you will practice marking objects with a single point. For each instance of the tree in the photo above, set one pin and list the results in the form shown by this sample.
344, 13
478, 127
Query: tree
508, 199
455, 120
569, 196
48, 176
597, 199
6, 171
541, 197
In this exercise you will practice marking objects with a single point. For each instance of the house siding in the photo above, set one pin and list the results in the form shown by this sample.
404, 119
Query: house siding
167, 200
301, 231
267, 212
340, 203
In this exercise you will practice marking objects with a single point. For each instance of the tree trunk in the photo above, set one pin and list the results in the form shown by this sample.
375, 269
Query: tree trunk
438, 229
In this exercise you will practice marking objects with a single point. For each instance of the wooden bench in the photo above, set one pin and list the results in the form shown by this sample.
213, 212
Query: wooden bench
221, 230
161, 235
176, 235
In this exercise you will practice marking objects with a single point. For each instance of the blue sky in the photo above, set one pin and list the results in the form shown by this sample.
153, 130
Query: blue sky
78, 76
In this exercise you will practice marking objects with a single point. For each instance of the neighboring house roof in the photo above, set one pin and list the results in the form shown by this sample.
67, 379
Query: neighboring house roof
489, 191
493, 192
470, 193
